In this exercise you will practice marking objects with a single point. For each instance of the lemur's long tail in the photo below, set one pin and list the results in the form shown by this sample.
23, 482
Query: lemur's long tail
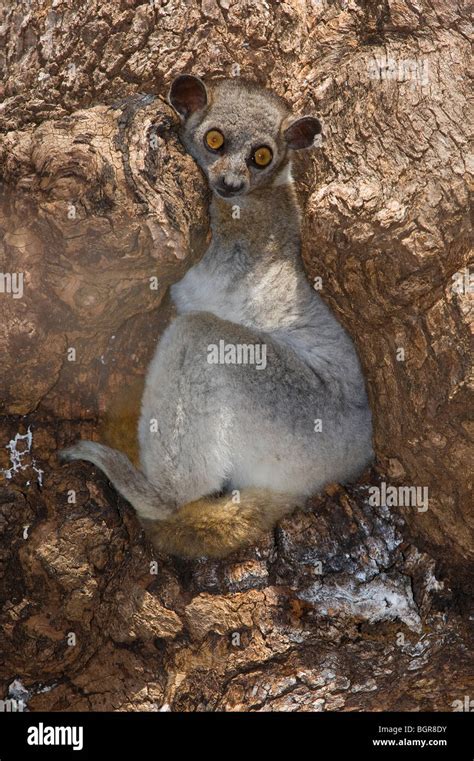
212, 527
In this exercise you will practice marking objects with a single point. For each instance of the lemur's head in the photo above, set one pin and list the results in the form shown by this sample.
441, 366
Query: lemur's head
240, 134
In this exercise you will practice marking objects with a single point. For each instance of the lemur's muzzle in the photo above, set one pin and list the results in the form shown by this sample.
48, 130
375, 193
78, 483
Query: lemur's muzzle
228, 187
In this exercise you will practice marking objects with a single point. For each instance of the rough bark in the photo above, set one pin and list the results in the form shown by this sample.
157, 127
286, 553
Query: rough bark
98, 197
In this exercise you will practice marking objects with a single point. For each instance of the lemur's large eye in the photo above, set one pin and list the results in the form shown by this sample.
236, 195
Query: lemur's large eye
214, 139
262, 156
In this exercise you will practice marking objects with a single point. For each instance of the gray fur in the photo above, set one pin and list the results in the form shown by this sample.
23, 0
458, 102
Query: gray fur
230, 424
131, 483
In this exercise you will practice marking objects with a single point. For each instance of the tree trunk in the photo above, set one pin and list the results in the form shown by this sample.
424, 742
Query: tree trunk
348, 605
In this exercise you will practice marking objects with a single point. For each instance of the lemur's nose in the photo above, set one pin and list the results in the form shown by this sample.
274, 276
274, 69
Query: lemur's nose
232, 184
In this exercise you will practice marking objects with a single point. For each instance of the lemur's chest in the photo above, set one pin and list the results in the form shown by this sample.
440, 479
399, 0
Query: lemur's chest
205, 288
273, 297
257, 294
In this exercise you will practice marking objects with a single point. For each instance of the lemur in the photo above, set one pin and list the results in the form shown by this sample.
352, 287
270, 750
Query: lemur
262, 437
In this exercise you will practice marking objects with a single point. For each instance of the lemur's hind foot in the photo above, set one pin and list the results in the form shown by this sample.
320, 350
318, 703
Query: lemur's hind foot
217, 527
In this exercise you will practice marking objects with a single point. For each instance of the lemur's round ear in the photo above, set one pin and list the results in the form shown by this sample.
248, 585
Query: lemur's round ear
187, 95
301, 132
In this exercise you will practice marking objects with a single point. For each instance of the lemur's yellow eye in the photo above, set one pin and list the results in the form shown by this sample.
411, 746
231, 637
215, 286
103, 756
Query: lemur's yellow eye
262, 156
214, 139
